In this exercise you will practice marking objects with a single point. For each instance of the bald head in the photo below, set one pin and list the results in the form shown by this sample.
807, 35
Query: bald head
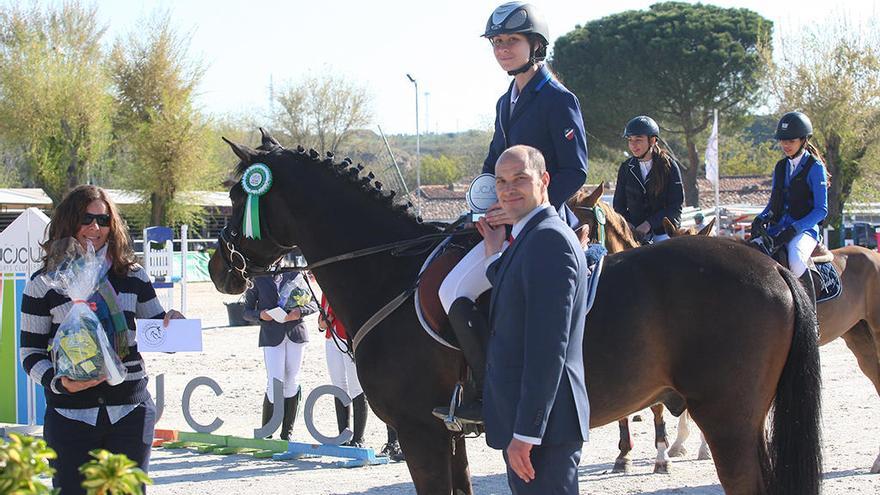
526, 155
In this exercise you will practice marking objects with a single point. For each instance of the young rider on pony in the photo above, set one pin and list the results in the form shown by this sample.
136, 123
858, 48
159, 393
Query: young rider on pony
648, 183
799, 198
536, 110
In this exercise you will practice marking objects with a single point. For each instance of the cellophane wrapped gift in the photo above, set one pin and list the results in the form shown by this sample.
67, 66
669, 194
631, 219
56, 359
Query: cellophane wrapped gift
292, 295
80, 349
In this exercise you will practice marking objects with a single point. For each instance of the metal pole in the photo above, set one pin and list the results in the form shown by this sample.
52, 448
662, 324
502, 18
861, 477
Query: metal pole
718, 181
393, 160
427, 114
184, 257
418, 151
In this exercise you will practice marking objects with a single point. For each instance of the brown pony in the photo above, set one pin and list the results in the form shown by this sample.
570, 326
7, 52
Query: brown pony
853, 316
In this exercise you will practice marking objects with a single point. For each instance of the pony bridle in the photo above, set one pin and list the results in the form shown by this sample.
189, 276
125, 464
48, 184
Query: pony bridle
236, 261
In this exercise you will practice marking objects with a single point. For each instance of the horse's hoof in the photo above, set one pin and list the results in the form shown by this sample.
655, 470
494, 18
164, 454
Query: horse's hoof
661, 468
637, 418
704, 455
622, 466
677, 451
875, 469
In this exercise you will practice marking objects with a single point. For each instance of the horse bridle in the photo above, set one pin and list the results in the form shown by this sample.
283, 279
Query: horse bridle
599, 215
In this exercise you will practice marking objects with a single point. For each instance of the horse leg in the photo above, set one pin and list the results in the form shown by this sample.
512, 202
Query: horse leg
661, 442
739, 449
867, 351
428, 456
461, 473
684, 431
623, 462
704, 454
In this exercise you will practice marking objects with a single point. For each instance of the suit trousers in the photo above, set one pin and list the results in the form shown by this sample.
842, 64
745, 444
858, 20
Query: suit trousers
72, 440
555, 470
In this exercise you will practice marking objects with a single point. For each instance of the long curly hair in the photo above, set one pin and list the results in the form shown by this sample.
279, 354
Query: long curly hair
66, 222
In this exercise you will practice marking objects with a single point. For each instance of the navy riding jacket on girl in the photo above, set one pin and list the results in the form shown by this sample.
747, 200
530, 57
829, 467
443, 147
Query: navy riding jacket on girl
631, 198
799, 197
547, 116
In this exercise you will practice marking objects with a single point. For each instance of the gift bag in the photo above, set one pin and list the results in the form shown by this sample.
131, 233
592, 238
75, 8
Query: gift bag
80, 349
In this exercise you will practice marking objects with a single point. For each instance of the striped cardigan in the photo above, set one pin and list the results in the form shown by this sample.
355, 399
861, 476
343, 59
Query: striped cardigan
43, 310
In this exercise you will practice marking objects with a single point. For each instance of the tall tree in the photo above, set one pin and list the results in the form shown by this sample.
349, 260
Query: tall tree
162, 134
321, 112
54, 99
675, 61
832, 74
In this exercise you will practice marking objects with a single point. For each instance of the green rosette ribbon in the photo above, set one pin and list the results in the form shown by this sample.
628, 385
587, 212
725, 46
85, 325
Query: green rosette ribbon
256, 181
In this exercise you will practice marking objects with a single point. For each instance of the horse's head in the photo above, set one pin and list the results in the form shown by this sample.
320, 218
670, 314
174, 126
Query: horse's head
241, 254
600, 223
672, 231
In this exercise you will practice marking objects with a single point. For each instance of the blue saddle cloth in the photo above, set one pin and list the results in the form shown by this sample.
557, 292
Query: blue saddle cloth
595, 255
829, 282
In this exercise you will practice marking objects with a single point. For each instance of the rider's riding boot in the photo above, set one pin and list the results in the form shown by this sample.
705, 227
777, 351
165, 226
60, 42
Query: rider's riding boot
341, 415
360, 420
267, 411
472, 332
807, 281
291, 405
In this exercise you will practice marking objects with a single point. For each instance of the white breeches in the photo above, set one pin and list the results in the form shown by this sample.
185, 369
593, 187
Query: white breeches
283, 362
799, 250
467, 278
343, 372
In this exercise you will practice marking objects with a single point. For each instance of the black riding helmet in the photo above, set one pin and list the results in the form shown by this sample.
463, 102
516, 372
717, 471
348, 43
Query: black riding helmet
521, 18
641, 126
794, 125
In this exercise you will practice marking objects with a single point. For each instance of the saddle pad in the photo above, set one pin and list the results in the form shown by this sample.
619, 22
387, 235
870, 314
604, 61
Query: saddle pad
829, 282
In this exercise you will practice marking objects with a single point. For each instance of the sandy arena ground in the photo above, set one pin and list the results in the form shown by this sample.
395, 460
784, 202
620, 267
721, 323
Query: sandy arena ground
232, 358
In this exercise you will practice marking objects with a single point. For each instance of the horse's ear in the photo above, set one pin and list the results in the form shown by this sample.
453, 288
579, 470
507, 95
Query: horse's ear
593, 198
243, 153
669, 227
707, 230
268, 140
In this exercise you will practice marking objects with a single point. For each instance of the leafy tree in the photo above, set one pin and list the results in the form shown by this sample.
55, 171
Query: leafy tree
675, 61
321, 112
54, 101
832, 74
162, 135
440, 170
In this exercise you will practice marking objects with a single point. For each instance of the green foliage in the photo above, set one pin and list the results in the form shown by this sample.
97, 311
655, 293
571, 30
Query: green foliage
440, 170
832, 73
675, 61
54, 101
22, 459
163, 145
112, 474
738, 154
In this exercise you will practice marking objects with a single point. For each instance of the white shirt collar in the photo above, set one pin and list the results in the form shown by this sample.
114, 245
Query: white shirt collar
518, 226
793, 162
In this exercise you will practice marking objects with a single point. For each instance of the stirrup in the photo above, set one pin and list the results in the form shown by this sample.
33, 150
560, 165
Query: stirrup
452, 423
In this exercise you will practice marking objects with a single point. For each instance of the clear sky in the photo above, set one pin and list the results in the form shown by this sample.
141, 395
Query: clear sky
377, 42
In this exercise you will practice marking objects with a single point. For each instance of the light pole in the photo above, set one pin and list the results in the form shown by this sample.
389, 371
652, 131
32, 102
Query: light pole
418, 151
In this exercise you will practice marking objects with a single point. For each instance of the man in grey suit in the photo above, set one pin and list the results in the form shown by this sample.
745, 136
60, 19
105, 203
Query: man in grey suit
535, 399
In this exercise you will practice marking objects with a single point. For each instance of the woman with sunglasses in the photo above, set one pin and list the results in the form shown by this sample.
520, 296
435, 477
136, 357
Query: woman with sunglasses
537, 110
86, 415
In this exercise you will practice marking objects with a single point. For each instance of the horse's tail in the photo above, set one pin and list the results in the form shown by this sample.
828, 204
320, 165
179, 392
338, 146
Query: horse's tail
795, 446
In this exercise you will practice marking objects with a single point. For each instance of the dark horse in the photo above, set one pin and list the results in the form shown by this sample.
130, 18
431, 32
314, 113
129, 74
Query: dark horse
726, 370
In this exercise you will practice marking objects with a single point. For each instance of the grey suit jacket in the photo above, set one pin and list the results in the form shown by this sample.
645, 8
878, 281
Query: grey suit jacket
535, 370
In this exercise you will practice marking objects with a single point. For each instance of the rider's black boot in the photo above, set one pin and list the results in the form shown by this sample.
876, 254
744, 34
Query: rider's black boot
291, 406
359, 404
472, 332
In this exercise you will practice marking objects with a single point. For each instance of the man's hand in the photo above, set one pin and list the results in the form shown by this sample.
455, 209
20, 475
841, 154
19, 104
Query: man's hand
493, 237
497, 216
74, 386
295, 314
264, 315
518, 457
172, 314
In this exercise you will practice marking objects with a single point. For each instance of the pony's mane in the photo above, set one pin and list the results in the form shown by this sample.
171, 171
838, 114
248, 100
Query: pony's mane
344, 171
619, 223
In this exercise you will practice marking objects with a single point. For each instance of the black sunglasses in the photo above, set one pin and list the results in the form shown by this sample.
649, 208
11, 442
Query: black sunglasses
103, 220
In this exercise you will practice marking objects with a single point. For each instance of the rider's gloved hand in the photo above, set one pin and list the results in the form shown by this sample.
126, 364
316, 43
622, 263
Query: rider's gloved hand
758, 228
785, 236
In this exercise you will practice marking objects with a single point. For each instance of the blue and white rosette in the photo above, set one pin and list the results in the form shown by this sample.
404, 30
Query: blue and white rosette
256, 181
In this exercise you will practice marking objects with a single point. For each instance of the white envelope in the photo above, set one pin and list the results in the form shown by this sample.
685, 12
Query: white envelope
178, 336
277, 314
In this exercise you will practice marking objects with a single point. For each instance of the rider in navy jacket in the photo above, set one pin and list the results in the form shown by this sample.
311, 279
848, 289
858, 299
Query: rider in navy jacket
638, 196
547, 116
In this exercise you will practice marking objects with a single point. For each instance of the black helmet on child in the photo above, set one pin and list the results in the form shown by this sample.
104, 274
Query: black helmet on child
521, 18
641, 126
793, 125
